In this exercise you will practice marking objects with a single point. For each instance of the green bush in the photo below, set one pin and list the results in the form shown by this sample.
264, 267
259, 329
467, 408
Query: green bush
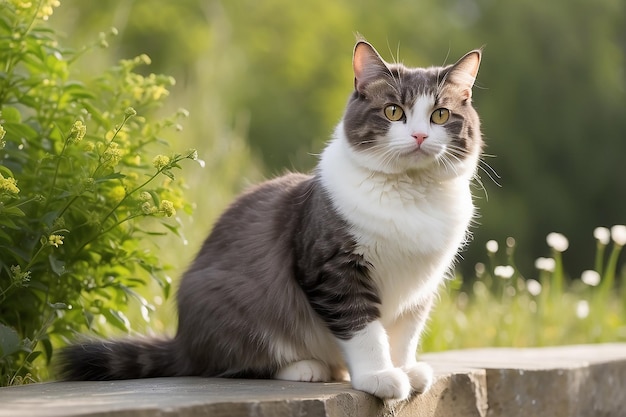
86, 183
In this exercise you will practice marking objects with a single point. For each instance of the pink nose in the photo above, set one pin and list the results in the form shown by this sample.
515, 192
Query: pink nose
420, 137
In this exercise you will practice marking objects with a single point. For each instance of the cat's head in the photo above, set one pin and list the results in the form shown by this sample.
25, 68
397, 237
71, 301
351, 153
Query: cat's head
402, 119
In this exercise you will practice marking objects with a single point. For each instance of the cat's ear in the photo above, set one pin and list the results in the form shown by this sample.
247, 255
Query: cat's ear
464, 72
367, 64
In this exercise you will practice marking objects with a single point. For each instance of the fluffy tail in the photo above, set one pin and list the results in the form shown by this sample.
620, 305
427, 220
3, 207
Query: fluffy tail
119, 359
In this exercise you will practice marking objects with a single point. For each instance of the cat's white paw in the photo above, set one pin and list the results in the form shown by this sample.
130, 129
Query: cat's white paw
389, 384
421, 376
309, 370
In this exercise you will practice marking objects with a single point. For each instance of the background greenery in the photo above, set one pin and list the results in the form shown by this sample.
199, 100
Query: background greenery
266, 81
551, 90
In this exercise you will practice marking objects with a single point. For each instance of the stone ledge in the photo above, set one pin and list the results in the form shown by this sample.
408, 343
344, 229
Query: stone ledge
587, 380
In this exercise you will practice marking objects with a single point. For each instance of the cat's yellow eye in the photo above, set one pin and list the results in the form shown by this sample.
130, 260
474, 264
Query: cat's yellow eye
440, 116
394, 112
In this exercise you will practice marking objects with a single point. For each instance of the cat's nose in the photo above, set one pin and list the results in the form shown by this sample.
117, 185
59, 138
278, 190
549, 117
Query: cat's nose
420, 137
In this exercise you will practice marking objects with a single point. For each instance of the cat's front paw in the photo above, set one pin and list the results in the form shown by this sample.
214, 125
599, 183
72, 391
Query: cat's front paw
421, 376
389, 384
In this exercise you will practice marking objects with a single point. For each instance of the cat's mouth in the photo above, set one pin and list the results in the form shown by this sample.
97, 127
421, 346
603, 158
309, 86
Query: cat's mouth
423, 151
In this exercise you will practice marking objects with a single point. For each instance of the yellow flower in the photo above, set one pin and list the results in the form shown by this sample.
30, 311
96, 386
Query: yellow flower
158, 91
148, 208
112, 155
117, 193
167, 208
89, 146
143, 59
55, 240
78, 132
160, 161
8, 185
45, 7
137, 92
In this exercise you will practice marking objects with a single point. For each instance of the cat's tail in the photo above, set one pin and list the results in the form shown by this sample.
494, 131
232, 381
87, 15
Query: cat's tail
119, 359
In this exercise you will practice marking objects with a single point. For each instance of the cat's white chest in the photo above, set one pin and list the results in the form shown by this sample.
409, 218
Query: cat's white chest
408, 228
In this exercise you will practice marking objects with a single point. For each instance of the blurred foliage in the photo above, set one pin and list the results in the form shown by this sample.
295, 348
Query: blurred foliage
83, 189
551, 90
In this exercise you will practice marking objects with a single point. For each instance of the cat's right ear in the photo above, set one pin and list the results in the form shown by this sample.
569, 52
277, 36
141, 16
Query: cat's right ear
367, 64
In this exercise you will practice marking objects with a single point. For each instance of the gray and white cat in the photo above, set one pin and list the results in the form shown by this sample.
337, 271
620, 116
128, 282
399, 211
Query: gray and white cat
306, 277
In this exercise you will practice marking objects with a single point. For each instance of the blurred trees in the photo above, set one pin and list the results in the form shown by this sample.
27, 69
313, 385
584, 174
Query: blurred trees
276, 75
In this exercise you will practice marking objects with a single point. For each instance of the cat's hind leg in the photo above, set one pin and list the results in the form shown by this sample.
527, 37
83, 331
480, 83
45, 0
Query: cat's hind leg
309, 370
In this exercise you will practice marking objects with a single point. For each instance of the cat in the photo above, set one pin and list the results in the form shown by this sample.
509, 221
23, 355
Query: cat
329, 276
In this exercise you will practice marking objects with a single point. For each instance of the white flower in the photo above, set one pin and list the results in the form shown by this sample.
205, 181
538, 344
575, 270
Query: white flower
533, 286
492, 246
591, 278
602, 235
504, 271
557, 241
545, 264
618, 234
582, 309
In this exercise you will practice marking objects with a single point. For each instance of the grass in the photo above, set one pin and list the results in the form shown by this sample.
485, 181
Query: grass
501, 307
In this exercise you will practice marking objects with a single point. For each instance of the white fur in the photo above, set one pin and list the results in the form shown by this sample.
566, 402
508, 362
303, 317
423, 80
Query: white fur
369, 362
319, 346
307, 370
409, 225
409, 207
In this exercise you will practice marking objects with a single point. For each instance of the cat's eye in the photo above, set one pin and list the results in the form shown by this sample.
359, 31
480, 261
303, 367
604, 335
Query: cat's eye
440, 116
394, 112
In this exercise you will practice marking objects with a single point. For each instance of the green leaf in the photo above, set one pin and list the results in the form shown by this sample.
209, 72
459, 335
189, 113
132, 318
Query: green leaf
97, 115
113, 176
47, 347
4, 236
19, 130
19, 253
9, 341
58, 266
32, 355
77, 90
12, 211
10, 115
169, 174
173, 229
7, 222
117, 319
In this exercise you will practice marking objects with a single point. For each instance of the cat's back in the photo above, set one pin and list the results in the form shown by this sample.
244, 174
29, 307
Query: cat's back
255, 225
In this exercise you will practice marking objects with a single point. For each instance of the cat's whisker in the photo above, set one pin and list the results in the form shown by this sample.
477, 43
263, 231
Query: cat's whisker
489, 172
493, 171
481, 185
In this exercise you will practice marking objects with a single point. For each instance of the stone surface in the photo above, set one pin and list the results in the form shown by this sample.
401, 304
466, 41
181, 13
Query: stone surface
569, 381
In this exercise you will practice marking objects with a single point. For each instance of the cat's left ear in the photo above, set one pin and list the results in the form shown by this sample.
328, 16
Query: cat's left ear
368, 65
464, 72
